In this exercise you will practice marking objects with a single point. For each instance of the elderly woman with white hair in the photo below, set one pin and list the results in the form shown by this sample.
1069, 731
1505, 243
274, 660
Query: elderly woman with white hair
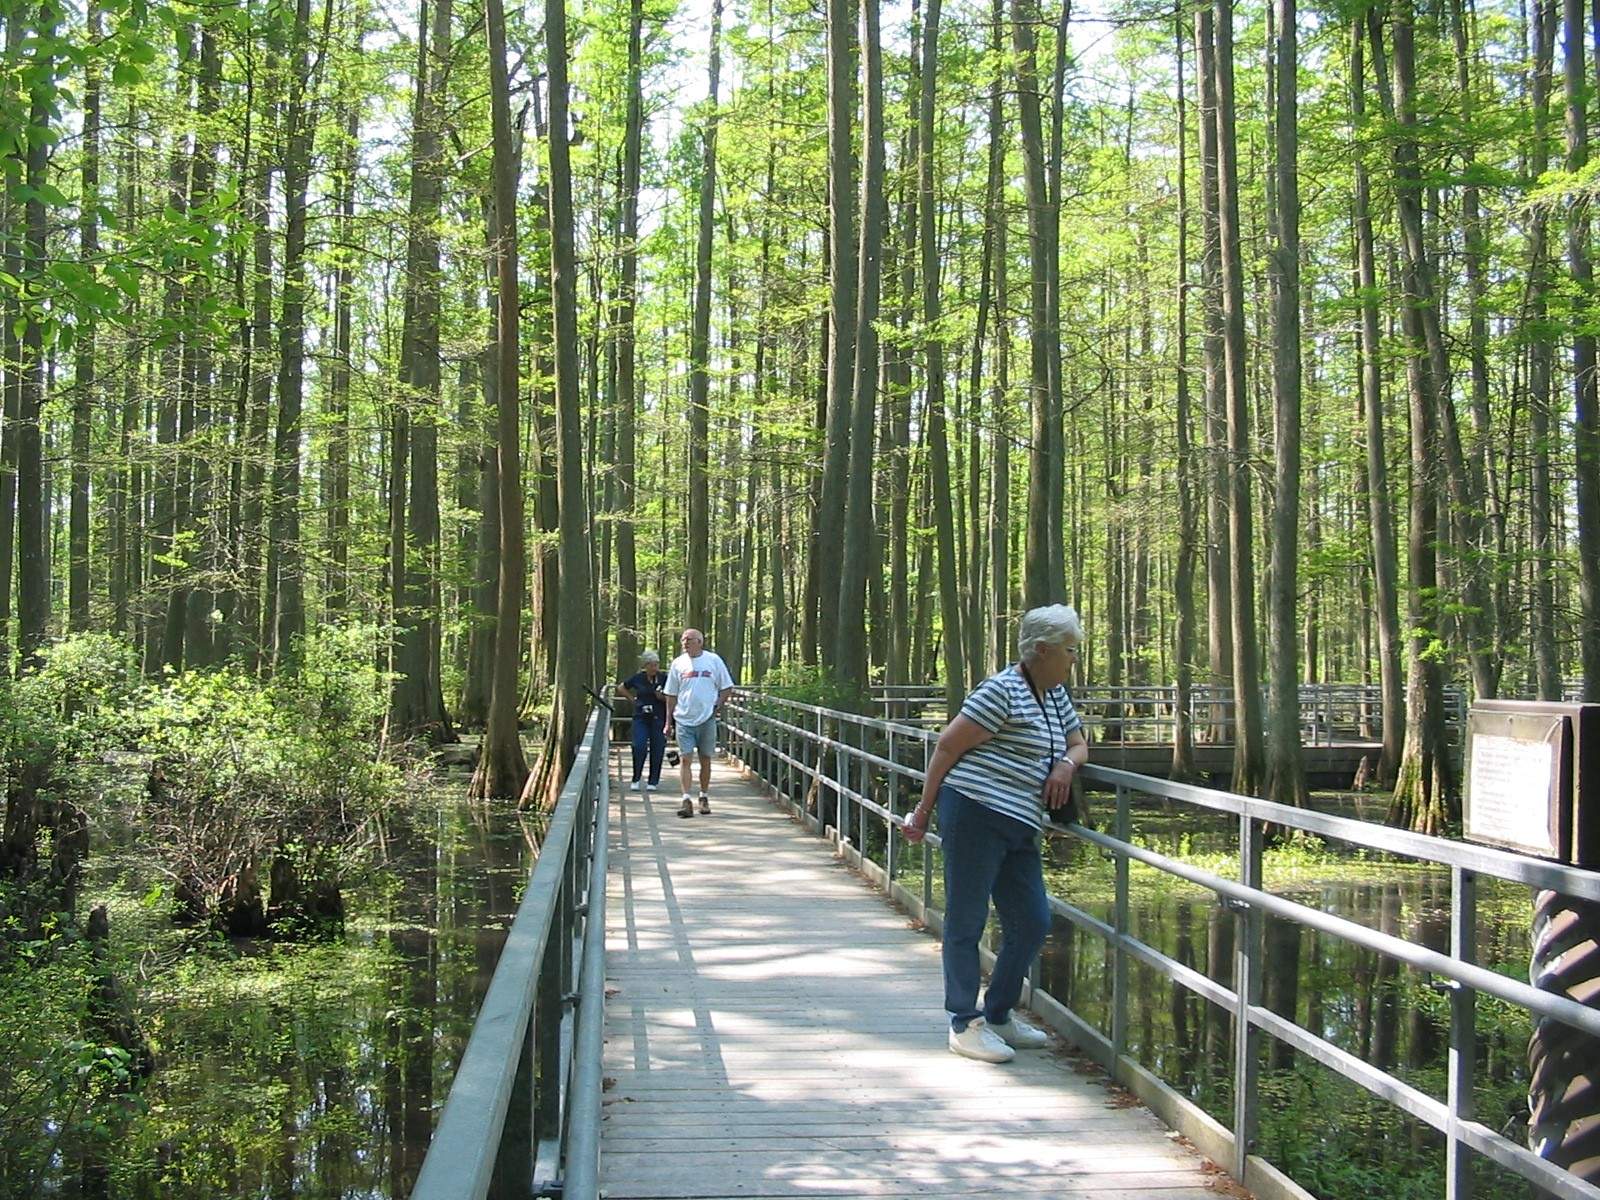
649, 718
1008, 755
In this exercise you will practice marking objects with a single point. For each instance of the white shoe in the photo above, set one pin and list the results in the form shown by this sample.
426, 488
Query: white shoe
637, 786
1019, 1035
978, 1041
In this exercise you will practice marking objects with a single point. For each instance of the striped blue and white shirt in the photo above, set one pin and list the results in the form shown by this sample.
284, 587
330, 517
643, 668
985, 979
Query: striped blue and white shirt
1007, 772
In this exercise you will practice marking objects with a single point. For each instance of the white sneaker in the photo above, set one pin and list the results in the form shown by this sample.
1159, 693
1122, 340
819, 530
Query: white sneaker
978, 1041
1019, 1035
637, 786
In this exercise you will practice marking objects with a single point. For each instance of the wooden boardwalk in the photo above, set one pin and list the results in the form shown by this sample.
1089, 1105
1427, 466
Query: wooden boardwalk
775, 1028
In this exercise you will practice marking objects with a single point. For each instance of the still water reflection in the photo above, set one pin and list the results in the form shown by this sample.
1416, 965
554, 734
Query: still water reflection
337, 1097
1386, 1014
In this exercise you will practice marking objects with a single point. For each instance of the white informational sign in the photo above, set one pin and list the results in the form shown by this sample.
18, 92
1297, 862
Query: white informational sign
1508, 792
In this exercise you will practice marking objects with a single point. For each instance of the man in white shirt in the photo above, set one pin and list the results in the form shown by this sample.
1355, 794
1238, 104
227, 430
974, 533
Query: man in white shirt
697, 684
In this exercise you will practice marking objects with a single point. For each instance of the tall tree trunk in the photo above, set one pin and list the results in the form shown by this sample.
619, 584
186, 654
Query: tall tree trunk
417, 704
1586, 414
842, 307
1247, 751
1425, 796
1219, 543
84, 389
1039, 586
628, 630
938, 450
251, 548
850, 655
502, 769
285, 555
33, 582
1541, 371
575, 645
1286, 777
1380, 517
1183, 767
1000, 644
338, 484
700, 352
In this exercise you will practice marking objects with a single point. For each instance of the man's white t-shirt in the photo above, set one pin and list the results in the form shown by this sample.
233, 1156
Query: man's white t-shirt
696, 683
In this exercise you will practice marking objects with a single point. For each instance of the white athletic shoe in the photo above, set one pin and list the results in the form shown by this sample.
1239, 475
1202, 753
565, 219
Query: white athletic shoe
978, 1041
637, 786
1019, 1035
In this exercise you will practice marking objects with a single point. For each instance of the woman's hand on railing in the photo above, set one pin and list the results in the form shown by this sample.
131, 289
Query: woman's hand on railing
1058, 784
916, 824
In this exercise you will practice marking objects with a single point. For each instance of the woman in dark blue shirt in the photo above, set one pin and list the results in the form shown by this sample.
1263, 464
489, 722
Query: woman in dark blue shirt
649, 718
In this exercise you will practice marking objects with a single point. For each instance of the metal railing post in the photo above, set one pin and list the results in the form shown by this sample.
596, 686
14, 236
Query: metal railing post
927, 855
1247, 989
891, 793
1119, 956
1463, 1032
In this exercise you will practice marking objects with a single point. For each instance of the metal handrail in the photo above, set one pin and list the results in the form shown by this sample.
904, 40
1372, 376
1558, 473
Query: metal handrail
524, 1108
1146, 713
771, 736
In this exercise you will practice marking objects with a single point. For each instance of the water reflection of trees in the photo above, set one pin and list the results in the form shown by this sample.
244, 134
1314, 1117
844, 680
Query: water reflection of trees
1361, 1001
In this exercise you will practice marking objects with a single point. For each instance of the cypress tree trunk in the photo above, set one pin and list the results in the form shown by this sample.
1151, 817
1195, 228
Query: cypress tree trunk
1219, 541
285, 555
575, 643
502, 768
1541, 370
417, 705
938, 450
850, 657
1586, 409
84, 390
699, 613
33, 583
1380, 517
1000, 642
1182, 767
338, 483
628, 631
1038, 584
1247, 755
1286, 779
1425, 796
842, 304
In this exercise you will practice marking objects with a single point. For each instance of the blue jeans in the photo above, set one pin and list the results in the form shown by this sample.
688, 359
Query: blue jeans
648, 733
988, 854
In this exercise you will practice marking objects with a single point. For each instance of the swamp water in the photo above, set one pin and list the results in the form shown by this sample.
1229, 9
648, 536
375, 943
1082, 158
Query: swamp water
316, 1070
1329, 1134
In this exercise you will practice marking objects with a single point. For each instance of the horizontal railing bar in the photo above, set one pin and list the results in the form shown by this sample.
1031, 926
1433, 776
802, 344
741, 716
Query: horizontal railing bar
583, 1122
1485, 860
1546, 1004
1196, 981
1376, 1080
1488, 1142
460, 1159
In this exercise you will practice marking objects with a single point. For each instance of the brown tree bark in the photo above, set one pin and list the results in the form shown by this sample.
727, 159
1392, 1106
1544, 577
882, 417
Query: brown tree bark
699, 613
502, 768
574, 658
859, 533
1286, 777
1247, 750
1380, 516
